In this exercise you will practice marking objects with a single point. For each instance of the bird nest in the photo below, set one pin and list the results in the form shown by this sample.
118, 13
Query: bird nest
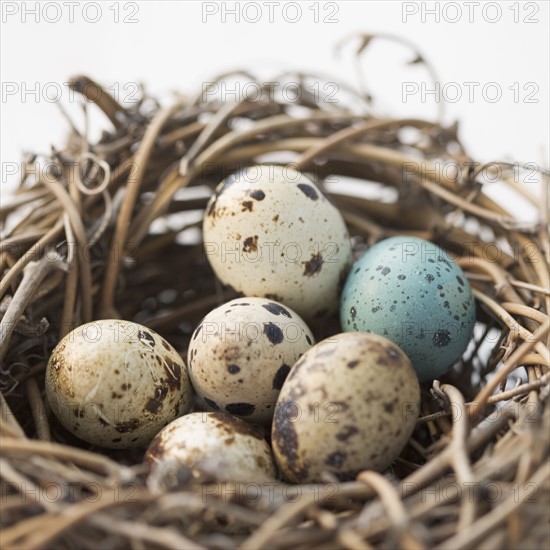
111, 229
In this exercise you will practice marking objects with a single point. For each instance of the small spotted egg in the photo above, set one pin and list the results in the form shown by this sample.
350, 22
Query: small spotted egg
115, 383
241, 353
412, 292
269, 231
349, 404
214, 443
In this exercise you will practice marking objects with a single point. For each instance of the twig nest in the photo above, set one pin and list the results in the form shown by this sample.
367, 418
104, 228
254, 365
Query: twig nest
269, 231
349, 404
116, 383
412, 292
214, 445
241, 353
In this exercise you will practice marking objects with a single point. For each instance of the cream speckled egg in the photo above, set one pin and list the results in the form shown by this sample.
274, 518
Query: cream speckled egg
349, 404
269, 231
116, 383
241, 353
216, 443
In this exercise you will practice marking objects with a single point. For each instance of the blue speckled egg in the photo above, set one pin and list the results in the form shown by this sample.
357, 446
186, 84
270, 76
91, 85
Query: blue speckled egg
413, 293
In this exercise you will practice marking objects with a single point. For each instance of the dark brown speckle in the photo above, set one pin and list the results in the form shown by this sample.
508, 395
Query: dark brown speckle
173, 370
347, 432
308, 191
313, 265
258, 195
250, 244
129, 426
240, 409
154, 403
284, 435
146, 338
441, 338
233, 369
274, 333
280, 377
212, 404
277, 309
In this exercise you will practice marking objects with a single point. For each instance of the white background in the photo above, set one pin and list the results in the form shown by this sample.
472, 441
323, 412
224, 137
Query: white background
178, 46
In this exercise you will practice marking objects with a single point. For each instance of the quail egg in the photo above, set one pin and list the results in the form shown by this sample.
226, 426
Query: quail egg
241, 353
269, 231
349, 404
217, 444
115, 383
412, 292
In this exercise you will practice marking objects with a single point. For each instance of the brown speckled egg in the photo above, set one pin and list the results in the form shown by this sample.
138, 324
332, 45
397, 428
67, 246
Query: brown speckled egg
214, 443
241, 353
116, 383
270, 231
349, 404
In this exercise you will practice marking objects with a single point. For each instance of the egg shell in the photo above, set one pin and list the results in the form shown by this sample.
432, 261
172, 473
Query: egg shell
241, 353
269, 231
411, 291
217, 443
349, 404
116, 383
